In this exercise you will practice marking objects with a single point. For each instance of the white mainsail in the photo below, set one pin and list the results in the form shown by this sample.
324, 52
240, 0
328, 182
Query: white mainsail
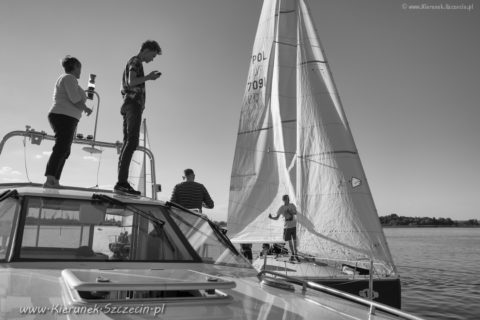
294, 139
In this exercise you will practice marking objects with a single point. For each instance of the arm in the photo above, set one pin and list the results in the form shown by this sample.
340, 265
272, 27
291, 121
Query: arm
82, 106
278, 215
272, 217
207, 199
71, 87
133, 80
73, 91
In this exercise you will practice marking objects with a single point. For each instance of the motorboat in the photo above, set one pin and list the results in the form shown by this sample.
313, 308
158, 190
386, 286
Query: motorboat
93, 254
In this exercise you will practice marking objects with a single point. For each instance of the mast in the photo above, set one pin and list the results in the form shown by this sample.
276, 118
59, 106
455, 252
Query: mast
298, 183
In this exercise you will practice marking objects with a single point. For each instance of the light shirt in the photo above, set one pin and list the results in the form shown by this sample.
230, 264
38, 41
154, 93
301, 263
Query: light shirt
288, 211
67, 92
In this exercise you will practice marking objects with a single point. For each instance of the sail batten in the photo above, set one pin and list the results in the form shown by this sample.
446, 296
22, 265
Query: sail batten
294, 139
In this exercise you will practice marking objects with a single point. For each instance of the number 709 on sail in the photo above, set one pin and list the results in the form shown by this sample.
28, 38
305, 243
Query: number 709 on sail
255, 84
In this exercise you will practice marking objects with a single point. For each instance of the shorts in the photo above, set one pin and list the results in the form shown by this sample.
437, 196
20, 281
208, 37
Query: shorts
290, 233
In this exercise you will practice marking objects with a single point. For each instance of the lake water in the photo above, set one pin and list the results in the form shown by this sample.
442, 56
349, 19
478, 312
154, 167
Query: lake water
439, 270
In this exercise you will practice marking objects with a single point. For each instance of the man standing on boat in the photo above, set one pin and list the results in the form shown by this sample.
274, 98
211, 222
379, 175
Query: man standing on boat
289, 211
133, 93
191, 194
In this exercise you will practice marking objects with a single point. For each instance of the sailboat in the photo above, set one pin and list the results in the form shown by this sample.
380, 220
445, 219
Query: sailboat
294, 139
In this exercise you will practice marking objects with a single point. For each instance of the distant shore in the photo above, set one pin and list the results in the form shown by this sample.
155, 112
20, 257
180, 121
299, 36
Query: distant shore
395, 221
428, 226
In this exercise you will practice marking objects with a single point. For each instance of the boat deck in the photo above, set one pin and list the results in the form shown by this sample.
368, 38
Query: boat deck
307, 269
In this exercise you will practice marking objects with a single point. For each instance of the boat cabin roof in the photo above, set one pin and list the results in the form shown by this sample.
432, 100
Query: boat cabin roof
70, 192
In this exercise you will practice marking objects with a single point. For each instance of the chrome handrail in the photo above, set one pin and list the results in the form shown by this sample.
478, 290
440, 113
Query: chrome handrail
32, 134
373, 306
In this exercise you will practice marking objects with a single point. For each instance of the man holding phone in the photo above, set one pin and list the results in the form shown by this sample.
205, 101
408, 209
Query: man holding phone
133, 93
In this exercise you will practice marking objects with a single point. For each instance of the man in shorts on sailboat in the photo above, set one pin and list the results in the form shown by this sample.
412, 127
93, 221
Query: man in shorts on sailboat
289, 211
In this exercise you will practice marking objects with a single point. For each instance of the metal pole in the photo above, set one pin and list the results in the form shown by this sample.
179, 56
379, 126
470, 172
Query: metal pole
370, 281
96, 116
145, 157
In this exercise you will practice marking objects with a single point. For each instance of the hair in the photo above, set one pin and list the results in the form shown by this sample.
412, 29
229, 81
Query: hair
69, 63
188, 172
152, 46
285, 196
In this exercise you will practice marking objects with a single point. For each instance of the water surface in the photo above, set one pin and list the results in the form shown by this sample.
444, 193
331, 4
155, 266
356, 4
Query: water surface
439, 271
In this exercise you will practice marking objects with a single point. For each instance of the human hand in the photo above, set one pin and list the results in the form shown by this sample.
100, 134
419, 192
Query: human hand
270, 215
88, 111
154, 75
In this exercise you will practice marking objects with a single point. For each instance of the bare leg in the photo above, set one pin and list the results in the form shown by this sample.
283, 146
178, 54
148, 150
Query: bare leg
292, 248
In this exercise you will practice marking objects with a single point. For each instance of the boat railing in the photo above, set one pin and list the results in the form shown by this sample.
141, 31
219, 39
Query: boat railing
37, 137
372, 305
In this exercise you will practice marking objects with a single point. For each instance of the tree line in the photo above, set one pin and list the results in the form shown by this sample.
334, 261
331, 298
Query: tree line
395, 220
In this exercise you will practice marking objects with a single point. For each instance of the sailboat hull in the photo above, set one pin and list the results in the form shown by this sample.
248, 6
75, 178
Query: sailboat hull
386, 290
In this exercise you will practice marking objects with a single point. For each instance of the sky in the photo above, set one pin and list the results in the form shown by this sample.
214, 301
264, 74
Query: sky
407, 78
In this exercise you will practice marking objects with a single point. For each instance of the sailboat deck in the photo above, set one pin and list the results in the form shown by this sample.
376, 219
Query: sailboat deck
305, 269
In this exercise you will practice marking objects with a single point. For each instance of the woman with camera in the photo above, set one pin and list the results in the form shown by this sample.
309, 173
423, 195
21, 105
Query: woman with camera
68, 104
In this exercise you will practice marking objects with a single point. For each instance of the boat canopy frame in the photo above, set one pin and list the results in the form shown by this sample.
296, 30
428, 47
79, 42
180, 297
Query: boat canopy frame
36, 137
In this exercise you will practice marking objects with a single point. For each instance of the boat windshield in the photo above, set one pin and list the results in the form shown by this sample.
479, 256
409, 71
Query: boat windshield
8, 210
206, 241
67, 229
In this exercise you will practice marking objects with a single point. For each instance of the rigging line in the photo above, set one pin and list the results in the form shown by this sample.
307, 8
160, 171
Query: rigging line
303, 157
286, 44
265, 128
313, 61
327, 153
255, 130
25, 158
320, 163
285, 152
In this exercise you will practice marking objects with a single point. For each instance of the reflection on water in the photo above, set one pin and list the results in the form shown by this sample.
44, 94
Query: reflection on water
439, 271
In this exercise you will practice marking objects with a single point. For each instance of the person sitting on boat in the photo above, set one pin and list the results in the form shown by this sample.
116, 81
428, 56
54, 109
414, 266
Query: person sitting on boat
68, 104
133, 93
246, 251
191, 194
288, 211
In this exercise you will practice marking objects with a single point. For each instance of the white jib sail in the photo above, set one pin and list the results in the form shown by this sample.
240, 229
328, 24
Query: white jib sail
294, 139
